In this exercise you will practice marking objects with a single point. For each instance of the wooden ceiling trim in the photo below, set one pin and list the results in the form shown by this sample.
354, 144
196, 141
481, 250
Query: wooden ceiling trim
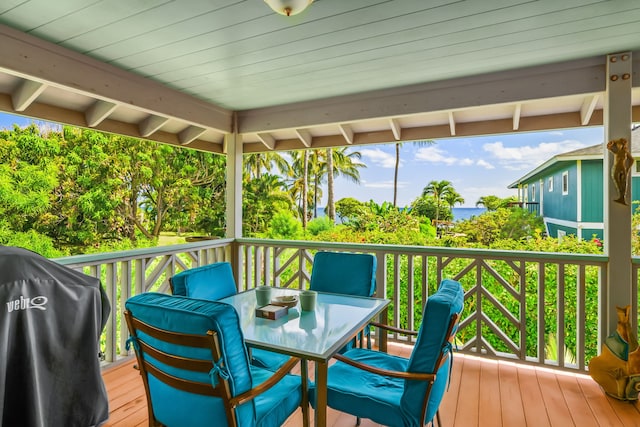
452, 123
151, 124
552, 80
77, 118
396, 129
32, 58
305, 137
26, 93
586, 111
347, 133
98, 112
268, 140
516, 116
190, 134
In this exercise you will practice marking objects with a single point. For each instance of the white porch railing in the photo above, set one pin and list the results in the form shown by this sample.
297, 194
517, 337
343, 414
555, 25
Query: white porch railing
127, 273
518, 305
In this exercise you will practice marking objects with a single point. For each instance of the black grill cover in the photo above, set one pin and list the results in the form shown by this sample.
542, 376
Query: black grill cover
51, 318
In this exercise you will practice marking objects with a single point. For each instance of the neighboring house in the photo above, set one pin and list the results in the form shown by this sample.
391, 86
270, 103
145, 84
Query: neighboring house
567, 191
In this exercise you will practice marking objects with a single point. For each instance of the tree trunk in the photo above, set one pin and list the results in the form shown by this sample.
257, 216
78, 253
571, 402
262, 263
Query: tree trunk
305, 188
331, 207
395, 176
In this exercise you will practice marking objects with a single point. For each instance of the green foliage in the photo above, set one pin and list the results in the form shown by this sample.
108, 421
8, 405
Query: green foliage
493, 203
262, 198
503, 223
86, 189
425, 206
349, 209
318, 225
31, 240
283, 225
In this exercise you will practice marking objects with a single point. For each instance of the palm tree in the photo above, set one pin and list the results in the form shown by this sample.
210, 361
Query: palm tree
299, 184
397, 165
452, 198
255, 163
340, 163
439, 191
492, 203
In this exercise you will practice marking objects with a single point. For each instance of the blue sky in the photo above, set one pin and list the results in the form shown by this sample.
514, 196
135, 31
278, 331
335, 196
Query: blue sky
476, 167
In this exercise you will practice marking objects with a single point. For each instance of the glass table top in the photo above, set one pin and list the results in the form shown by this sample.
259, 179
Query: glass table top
314, 335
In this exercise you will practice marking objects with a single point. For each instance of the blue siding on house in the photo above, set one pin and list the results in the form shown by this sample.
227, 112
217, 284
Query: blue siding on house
592, 191
556, 204
589, 233
635, 192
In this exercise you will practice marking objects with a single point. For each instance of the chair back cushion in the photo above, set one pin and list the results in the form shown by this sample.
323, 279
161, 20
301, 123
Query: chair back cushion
211, 282
344, 273
178, 314
432, 337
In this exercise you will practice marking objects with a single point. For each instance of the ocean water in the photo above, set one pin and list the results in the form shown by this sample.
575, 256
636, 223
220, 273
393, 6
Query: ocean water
459, 214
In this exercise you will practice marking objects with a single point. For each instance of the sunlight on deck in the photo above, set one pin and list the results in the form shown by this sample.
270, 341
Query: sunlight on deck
483, 392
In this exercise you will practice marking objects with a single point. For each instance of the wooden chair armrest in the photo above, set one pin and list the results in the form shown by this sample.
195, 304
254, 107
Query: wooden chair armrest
261, 388
393, 329
385, 372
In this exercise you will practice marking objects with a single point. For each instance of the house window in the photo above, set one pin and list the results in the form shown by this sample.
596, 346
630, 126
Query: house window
533, 192
550, 184
565, 183
636, 167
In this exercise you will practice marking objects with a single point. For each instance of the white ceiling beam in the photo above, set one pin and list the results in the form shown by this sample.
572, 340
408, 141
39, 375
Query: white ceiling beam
305, 137
588, 106
151, 124
574, 77
190, 134
29, 57
347, 132
517, 112
268, 140
395, 129
26, 93
452, 123
98, 112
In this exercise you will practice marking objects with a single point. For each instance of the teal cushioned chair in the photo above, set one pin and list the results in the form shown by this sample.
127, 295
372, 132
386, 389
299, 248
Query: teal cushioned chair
395, 391
213, 282
345, 273
195, 369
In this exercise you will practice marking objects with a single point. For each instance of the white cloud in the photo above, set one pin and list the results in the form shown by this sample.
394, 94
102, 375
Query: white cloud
483, 163
528, 157
433, 154
384, 184
380, 158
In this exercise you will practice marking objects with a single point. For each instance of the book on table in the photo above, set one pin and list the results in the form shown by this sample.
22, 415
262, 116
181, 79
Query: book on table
271, 311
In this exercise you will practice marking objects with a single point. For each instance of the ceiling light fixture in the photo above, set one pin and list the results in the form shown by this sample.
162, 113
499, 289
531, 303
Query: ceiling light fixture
288, 7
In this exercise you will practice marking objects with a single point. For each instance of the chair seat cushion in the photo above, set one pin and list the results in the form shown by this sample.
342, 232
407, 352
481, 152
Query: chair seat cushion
274, 406
371, 396
267, 359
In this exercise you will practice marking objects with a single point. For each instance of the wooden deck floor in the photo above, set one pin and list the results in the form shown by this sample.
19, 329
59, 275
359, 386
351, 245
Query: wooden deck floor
483, 393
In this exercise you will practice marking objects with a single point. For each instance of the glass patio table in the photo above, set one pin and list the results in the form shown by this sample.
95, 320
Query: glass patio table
310, 335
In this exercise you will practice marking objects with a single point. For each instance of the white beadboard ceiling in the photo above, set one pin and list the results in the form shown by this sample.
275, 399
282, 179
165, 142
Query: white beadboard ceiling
188, 72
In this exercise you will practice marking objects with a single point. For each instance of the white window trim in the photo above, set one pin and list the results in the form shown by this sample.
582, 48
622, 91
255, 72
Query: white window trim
533, 192
550, 184
565, 191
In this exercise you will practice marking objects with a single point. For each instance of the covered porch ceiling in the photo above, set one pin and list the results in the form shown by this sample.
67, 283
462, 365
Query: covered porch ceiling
188, 72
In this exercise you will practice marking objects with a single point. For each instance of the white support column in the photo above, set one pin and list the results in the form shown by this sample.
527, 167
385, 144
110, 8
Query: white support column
233, 149
617, 216
233, 143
